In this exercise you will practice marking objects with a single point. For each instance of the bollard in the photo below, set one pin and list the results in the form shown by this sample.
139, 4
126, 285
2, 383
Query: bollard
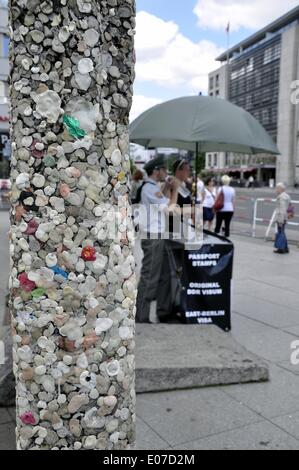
72, 271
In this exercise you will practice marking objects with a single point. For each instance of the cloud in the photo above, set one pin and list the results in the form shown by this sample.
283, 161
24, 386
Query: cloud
169, 59
250, 14
142, 103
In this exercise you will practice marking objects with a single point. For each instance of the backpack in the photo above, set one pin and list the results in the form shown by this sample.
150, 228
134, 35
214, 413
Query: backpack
137, 199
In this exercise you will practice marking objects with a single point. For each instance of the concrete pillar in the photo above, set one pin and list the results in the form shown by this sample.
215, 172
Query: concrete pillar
72, 281
286, 140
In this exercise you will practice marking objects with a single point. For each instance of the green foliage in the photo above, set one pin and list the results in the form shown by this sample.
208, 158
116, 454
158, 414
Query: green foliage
200, 163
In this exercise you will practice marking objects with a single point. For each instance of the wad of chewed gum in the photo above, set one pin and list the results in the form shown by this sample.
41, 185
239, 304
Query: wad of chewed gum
73, 127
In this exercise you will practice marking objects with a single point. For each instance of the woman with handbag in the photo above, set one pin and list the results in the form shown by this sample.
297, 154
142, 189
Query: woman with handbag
225, 205
281, 218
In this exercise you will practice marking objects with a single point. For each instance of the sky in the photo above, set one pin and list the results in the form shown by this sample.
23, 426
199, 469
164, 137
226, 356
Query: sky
177, 42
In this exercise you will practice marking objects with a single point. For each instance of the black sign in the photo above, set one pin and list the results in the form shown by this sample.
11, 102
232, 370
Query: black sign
207, 276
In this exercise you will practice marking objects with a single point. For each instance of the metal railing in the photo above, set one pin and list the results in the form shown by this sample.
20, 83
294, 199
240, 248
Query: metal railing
270, 221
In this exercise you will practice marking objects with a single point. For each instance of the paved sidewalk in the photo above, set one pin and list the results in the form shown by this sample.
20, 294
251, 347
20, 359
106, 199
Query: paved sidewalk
256, 416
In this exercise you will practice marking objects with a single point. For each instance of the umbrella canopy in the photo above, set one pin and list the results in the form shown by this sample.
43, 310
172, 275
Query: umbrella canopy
201, 123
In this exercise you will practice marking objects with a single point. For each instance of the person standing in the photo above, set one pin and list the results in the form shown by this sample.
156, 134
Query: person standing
281, 217
251, 182
169, 296
199, 190
209, 198
226, 213
179, 222
156, 205
137, 181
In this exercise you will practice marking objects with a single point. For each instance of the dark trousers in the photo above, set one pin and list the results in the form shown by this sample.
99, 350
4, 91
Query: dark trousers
170, 288
149, 277
225, 217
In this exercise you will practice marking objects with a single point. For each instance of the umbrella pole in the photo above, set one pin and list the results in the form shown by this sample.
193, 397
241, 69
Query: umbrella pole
196, 169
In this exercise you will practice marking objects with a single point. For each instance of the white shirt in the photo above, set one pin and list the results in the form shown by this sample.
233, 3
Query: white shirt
229, 196
200, 188
210, 198
152, 209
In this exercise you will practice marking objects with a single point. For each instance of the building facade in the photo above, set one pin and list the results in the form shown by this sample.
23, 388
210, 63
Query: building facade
260, 75
218, 87
5, 148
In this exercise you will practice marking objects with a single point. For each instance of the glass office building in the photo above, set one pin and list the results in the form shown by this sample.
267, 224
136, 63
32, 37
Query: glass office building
259, 78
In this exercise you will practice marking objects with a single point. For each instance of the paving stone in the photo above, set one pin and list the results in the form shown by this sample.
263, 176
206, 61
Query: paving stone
5, 417
260, 436
265, 311
147, 439
275, 398
289, 422
269, 343
7, 437
183, 416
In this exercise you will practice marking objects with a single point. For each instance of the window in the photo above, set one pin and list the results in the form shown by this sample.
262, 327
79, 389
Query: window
211, 83
249, 101
209, 160
215, 159
267, 56
212, 94
266, 95
250, 64
274, 115
265, 116
5, 46
217, 80
217, 93
276, 74
272, 53
238, 73
258, 79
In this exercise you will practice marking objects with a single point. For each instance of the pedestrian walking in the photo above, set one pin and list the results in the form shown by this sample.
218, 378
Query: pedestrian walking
156, 205
209, 198
283, 203
225, 206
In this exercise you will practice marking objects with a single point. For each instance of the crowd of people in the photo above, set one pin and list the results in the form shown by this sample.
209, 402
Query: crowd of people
218, 201
168, 199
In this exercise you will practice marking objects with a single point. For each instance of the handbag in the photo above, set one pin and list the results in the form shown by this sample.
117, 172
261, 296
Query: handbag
281, 242
291, 211
219, 203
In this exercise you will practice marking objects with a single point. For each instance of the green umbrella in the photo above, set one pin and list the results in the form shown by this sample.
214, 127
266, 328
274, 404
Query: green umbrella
201, 124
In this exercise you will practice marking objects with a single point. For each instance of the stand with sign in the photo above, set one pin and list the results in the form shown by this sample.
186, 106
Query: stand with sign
206, 283
196, 283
